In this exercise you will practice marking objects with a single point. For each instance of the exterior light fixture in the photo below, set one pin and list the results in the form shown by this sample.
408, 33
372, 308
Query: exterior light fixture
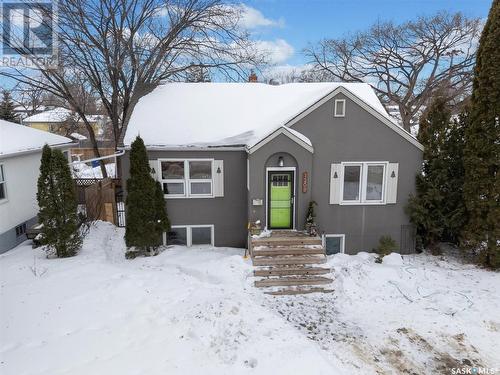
281, 163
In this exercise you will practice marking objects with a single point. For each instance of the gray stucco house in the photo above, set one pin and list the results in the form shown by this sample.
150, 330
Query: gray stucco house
228, 154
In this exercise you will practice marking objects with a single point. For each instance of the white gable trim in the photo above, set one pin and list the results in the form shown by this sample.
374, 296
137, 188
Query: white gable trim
274, 134
363, 105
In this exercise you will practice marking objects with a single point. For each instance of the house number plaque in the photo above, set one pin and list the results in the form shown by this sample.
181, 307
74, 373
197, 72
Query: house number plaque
304, 182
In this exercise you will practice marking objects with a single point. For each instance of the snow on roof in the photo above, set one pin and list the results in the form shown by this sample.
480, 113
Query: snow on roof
25, 108
78, 136
224, 114
16, 138
52, 115
58, 114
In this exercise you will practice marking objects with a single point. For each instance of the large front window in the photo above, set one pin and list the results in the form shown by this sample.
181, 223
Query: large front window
187, 178
363, 183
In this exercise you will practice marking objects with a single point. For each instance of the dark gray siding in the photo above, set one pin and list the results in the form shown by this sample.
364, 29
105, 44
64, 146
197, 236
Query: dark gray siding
8, 239
358, 136
228, 214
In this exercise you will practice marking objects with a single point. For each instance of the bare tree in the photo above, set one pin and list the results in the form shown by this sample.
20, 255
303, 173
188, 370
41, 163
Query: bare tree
121, 50
29, 98
406, 63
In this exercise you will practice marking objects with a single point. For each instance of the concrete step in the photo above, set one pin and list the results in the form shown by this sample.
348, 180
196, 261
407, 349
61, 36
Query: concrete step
284, 271
270, 251
293, 281
286, 241
288, 259
299, 290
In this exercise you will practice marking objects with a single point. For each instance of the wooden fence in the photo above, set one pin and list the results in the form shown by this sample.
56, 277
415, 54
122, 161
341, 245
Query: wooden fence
101, 199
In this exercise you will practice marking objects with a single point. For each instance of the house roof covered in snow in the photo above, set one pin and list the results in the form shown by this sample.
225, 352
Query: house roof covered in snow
52, 115
15, 138
57, 114
229, 114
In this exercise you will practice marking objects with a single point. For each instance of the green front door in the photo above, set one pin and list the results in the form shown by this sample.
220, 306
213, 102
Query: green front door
280, 205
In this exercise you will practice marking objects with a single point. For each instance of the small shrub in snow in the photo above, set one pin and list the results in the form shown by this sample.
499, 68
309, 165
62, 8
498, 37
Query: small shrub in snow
386, 245
311, 226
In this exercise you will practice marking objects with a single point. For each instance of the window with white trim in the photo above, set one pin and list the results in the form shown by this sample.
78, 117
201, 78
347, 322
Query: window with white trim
189, 235
339, 109
334, 243
363, 183
187, 177
3, 189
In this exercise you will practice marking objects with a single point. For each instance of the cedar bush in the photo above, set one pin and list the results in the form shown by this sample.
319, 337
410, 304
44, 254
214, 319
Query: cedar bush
438, 209
58, 205
145, 205
482, 151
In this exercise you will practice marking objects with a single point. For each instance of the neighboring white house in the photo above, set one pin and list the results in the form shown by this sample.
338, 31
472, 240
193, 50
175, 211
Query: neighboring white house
20, 153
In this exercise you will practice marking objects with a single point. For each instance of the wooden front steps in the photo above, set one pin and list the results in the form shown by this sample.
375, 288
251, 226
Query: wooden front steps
288, 250
293, 280
293, 291
284, 271
287, 241
289, 259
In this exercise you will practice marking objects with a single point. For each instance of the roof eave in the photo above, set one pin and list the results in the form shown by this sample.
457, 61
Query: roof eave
38, 149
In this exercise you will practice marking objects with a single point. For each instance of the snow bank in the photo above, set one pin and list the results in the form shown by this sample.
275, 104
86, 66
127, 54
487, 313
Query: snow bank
195, 311
393, 259
185, 311
421, 315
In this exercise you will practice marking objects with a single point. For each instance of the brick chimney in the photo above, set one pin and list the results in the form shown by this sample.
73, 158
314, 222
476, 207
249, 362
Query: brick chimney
252, 77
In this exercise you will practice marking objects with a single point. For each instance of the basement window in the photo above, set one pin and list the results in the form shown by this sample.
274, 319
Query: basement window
20, 230
334, 243
339, 108
189, 235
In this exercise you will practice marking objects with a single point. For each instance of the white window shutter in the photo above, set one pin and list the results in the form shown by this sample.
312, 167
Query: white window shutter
392, 182
154, 165
335, 183
218, 178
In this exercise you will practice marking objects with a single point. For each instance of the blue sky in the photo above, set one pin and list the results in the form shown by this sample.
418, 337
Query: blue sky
285, 27
299, 22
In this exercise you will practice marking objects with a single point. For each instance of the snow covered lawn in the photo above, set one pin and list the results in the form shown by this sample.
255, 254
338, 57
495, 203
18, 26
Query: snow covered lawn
196, 311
